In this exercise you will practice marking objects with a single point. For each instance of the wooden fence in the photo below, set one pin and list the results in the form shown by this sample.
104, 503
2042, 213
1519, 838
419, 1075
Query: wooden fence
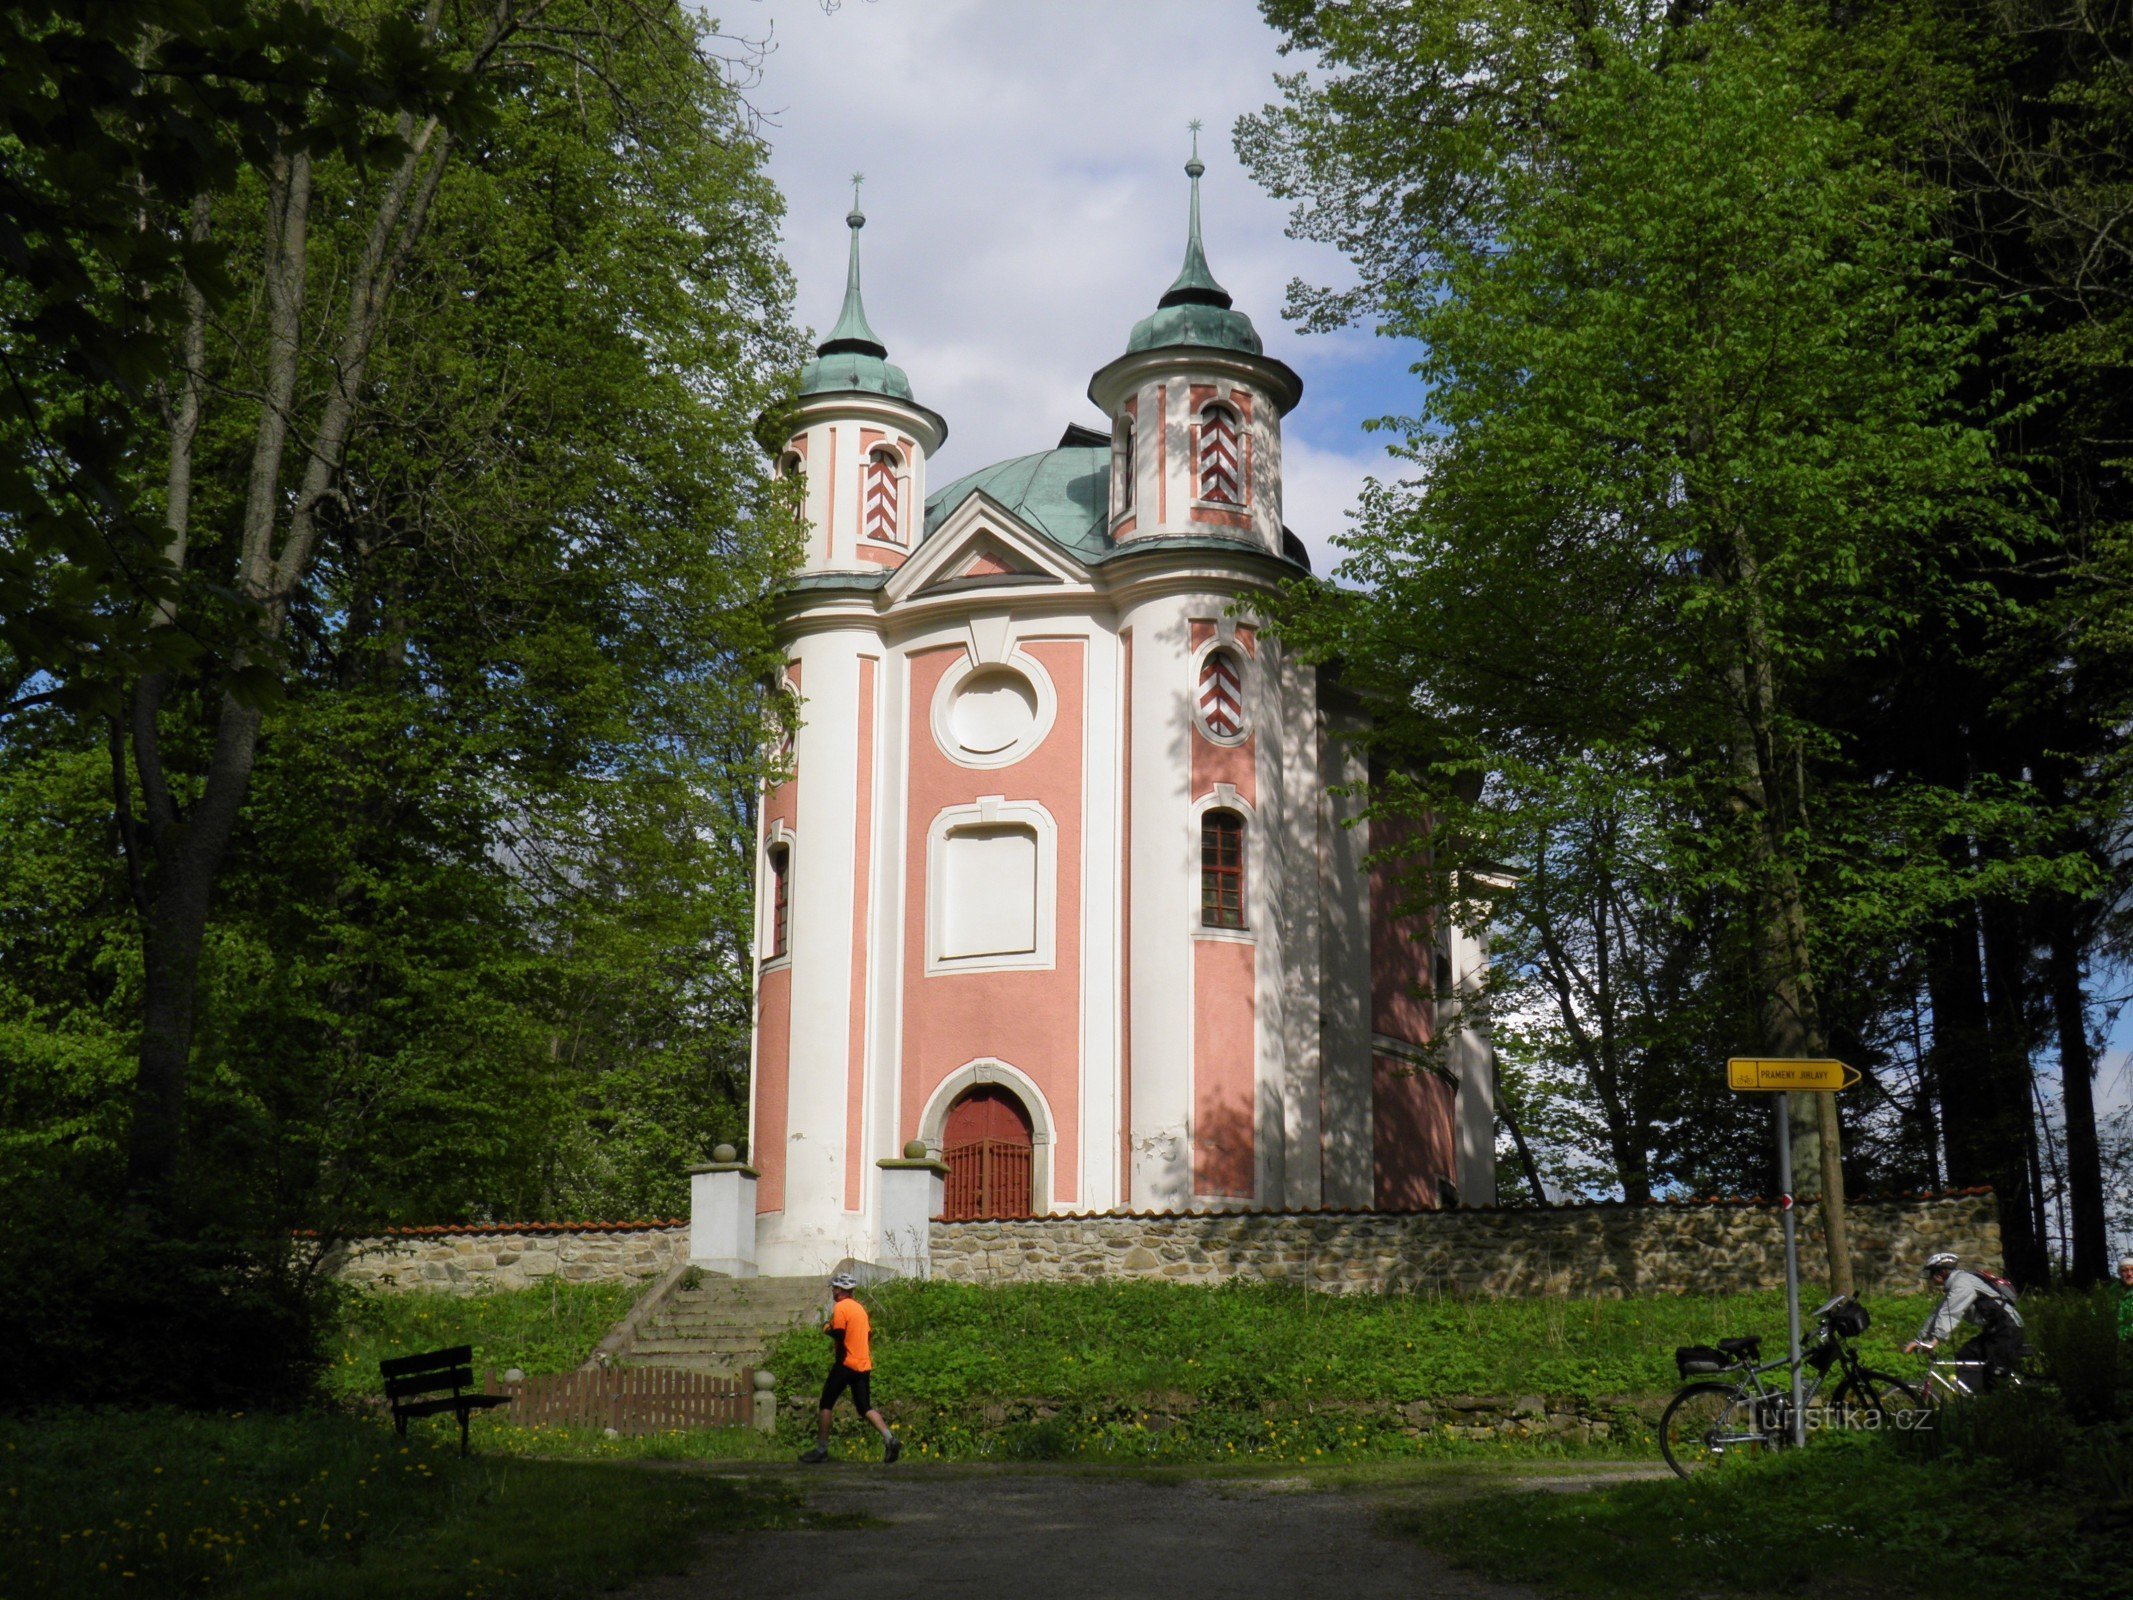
630, 1400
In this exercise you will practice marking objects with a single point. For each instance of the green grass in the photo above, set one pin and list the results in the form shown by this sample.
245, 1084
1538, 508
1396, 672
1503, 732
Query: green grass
319, 1507
542, 1330
1153, 1371
1853, 1516
955, 1344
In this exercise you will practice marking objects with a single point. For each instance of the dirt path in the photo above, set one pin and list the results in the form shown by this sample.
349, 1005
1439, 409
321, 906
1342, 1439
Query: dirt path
1085, 1536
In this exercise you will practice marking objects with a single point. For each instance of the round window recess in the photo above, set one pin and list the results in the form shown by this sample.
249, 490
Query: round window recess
993, 711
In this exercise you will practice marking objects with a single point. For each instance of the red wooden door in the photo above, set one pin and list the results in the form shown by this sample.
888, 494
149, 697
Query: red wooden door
987, 1148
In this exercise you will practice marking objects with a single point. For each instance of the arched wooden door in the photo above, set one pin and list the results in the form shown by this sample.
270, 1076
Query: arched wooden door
987, 1148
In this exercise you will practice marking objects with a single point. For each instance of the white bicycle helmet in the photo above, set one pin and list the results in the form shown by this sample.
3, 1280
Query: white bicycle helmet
1939, 1261
844, 1280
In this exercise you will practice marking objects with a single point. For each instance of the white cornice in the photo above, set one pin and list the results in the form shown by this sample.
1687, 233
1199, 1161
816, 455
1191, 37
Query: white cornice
1112, 383
864, 406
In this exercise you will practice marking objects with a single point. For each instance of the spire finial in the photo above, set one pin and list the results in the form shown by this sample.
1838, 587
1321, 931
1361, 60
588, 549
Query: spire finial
852, 333
1195, 284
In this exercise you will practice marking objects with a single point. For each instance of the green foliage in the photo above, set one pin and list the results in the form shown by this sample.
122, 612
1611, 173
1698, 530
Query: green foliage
541, 1330
478, 946
113, 119
2084, 1357
334, 1508
1697, 466
99, 1304
1849, 1515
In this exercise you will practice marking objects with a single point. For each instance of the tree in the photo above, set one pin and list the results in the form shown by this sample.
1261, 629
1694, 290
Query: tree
1691, 451
462, 767
120, 120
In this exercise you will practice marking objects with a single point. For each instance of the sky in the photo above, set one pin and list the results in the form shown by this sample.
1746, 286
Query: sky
1025, 199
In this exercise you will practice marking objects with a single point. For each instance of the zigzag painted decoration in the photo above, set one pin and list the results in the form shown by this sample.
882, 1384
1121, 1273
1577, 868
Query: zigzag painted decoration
878, 503
1218, 456
1221, 695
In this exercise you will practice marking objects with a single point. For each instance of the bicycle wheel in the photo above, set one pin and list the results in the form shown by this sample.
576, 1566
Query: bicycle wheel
1709, 1423
1880, 1400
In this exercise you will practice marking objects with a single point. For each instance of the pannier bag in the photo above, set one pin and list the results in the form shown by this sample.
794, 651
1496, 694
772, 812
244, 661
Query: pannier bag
1849, 1319
1695, 1359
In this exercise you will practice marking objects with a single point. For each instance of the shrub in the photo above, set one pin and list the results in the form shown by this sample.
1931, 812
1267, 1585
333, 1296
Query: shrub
2077, 1334
103, 1310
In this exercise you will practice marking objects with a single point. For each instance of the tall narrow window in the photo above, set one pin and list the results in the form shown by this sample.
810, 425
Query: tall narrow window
1220, 475
1221, 870
780, 900
878, 501
1128, 467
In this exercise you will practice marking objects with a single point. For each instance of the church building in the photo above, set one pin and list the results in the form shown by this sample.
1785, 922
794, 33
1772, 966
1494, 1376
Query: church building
1057, 885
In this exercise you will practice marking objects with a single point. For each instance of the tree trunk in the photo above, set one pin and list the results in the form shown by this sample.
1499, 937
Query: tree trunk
1955, 984
187, 857
2088, 1244
2012, 1123
1791, 1024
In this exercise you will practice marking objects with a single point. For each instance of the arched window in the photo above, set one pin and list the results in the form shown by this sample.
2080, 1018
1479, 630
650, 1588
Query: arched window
1221, 870
780, 857
1221, 699
1220, 474
879, 498
1127, 467
790, 464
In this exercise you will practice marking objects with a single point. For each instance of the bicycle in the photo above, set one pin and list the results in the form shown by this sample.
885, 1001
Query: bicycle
1706, 1423
1948, 1380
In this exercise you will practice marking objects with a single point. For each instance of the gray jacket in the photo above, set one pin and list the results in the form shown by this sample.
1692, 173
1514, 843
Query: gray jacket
1959, 1302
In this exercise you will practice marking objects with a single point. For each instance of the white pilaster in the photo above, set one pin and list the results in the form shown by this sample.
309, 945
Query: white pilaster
1161, 907
1344, 944
813, 1232
1099, 1183
1288, 971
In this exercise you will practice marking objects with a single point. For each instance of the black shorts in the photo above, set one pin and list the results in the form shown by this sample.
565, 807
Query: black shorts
842, 1378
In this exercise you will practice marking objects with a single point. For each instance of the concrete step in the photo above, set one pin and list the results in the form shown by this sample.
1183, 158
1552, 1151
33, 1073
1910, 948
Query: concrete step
725, 1325
710, 1366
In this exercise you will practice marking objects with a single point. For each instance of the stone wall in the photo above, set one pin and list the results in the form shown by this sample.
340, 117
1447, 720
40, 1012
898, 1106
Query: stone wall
1609, 1249
469, 1260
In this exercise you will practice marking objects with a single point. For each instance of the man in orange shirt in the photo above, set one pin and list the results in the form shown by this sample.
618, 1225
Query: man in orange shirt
853, 1369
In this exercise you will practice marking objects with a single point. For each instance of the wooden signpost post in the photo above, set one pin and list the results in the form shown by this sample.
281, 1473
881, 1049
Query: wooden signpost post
1783, 1077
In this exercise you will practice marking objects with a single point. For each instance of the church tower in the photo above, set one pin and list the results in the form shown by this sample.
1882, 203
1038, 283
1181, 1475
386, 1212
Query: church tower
861, 441
1196, 405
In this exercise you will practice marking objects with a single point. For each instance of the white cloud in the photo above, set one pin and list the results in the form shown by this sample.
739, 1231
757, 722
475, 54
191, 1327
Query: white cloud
1026, 205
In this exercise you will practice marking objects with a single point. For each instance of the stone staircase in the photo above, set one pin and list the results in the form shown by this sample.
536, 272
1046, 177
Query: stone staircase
724, 1326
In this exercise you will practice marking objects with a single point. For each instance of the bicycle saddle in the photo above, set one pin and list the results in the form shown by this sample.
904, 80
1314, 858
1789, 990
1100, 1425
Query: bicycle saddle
1748, 1349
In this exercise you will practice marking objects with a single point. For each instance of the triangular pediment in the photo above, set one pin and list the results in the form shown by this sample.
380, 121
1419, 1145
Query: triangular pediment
984, 544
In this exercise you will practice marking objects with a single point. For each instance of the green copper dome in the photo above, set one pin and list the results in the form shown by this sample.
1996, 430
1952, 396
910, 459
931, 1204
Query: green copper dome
1195, 309
1063, 493
853, 360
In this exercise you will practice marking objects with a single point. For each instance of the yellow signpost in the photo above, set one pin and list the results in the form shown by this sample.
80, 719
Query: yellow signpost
1766, 1075
1785, 1076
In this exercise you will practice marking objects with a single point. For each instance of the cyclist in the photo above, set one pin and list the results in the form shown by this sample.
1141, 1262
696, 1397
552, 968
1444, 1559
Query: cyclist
1967, 1297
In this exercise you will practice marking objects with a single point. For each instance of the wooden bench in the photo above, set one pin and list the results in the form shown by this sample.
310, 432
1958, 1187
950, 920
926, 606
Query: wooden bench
409, 1378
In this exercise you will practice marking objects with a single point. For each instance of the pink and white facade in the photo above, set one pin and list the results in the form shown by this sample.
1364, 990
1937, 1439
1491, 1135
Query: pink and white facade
1058, 834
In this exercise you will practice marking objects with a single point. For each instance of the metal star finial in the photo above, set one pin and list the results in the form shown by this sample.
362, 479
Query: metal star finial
1193, 167
857, 218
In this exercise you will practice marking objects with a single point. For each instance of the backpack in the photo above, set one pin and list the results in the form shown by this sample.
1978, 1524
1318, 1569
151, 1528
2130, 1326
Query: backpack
2000, 1286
